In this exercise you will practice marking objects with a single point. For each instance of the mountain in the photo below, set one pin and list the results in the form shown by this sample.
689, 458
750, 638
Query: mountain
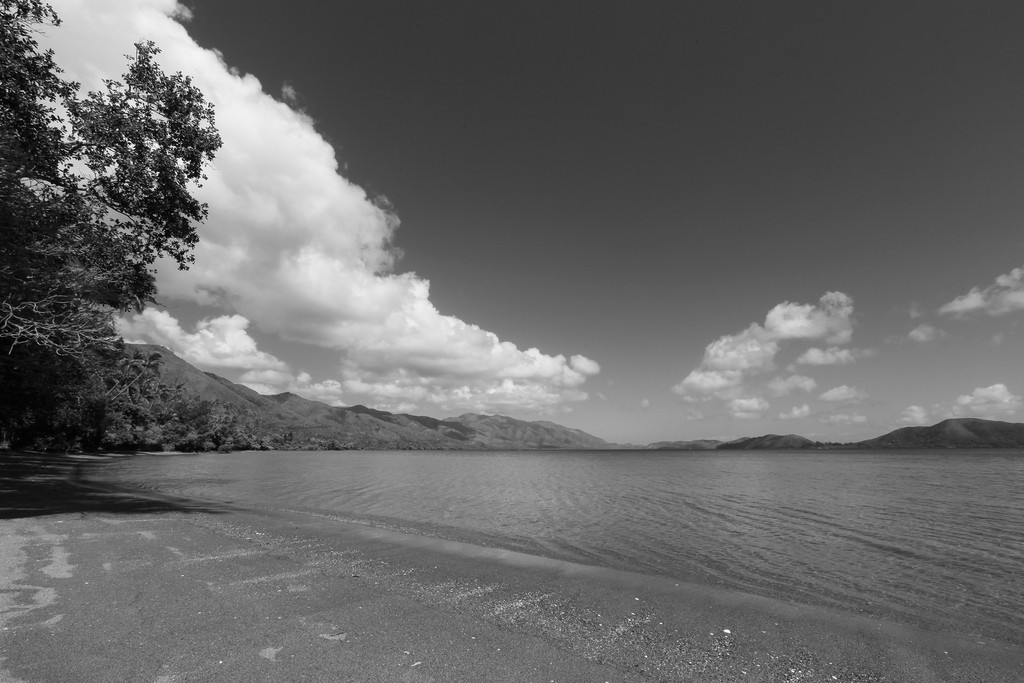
498, 431
175, 371
309, 422
698, 445
317, 424
961, 432
769, 442
952, 433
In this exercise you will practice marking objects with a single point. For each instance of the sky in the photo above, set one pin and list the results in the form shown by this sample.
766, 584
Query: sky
649, 220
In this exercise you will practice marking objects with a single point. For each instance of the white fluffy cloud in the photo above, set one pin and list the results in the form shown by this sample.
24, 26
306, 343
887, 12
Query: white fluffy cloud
844, 419
829, 320
796, 412
327, 391
914, 415
222, 342
925, 333
295, 248
749, 408
1005, 295
539, 383
731, 359
751, 349
993, 401
843, 394
830, 356
784, 386
704, 382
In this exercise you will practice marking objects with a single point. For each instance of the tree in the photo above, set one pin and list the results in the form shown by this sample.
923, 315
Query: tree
93, 190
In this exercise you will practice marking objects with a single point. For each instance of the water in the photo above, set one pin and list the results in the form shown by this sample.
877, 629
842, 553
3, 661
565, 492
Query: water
930, 538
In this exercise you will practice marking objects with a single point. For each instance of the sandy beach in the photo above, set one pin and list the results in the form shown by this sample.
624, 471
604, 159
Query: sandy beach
100, 585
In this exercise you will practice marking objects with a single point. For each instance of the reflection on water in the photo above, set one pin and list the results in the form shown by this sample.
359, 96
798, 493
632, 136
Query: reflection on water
933, 538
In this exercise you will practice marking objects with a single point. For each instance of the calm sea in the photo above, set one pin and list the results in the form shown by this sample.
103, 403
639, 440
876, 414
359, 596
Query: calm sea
931, 538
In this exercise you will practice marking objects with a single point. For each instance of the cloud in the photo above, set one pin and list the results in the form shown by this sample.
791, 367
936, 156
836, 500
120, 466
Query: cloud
830, 356
752, 349
537, 383
796, 412
784, 387
829, 320
914, 415
708, 382
925, 333
297, 250
992, 401
584, 365
222, 342
843, 394
288, 93
328, 391
750, 408
645, 403
731, 358
844, 419
1004, 296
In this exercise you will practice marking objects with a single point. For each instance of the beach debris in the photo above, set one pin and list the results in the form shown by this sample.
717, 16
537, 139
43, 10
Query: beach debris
336, 636
270, 653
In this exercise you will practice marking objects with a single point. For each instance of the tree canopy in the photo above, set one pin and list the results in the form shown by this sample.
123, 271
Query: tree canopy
94, 189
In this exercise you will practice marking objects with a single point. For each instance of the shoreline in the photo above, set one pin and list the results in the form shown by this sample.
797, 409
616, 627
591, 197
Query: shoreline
938, 607
261, 595
187, 580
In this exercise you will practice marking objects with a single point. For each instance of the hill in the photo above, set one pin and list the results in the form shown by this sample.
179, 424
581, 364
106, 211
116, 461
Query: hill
175, 371
316, 424
769, 442
498, 431
697, 445
312, 423
953, 433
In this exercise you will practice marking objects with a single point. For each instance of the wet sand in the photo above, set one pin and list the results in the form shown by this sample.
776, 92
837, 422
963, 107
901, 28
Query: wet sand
169, 594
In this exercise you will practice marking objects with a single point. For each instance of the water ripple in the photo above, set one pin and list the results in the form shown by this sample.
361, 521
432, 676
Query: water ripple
930, 538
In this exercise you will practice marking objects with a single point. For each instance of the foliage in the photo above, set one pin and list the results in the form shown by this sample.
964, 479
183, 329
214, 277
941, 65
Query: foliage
176, 421
94, 189
125, 405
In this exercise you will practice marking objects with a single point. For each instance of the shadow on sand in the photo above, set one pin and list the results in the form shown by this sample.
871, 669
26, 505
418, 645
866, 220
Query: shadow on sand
35, 484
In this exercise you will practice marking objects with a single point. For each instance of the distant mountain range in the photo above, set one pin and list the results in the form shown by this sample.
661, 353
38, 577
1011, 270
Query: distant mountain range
362, 427
962, 432
766, 442
357, 426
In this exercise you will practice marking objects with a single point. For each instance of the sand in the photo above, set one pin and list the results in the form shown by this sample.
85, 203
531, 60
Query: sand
106, 586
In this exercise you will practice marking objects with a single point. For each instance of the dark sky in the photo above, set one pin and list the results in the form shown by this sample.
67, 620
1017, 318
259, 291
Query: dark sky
595, 140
